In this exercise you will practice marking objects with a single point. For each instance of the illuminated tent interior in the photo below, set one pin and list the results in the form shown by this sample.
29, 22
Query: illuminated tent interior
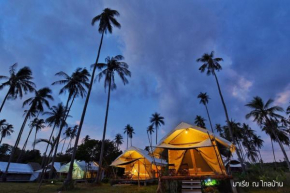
138, 164
195, 149
81, 169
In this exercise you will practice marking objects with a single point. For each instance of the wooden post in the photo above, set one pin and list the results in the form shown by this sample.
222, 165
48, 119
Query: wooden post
138, 173
193, 161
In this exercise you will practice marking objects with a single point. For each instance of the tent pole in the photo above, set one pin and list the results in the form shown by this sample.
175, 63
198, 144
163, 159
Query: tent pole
138, 173
193, 161
215, 152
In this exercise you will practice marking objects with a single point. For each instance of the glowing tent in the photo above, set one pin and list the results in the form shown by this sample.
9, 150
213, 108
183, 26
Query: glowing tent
195, 149
138, 164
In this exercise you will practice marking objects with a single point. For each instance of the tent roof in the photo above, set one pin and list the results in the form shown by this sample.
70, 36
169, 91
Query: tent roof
16, 168
205, 143
140, 155
203, 133
56, 165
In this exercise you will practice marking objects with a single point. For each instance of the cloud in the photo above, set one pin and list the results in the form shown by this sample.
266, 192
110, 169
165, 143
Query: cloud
283, 97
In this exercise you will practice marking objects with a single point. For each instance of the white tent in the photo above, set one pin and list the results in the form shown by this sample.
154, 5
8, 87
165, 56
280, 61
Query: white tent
81, 169
18, 172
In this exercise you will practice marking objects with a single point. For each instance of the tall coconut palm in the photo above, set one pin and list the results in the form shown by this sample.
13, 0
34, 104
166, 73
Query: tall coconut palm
18, 82
114, 66
38, 126
211, 65
157, 120
118, 140
131, 132
258, 142
5, 129
66, 134
106, 22
76, 85
204, 100
55, 118
265, 114
150, 130
127, 130
199, 121
42, 97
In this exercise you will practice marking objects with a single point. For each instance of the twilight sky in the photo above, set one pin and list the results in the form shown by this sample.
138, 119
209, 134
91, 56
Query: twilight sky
160, 41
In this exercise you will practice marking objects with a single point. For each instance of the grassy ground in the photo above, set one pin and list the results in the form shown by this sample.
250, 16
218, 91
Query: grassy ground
81, 188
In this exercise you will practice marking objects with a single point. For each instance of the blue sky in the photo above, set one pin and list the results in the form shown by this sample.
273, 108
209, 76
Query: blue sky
161, 42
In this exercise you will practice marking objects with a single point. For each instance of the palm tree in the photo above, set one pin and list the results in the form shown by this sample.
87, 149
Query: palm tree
36, 105
258, 142
211, 65
39, 124
72, 136
266, 115
5, 129
31, 125
48, 142
113, 66
150, 130
56, 117
204, 100
66, 134
87, 138
127, 130
75, 85
199, 121
118, 140
157, 120
218, 128
131, 132
18, 82
107, 21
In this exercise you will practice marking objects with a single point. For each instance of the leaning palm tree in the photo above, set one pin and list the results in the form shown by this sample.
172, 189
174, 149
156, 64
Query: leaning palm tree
265, 114
106, 22
5, 129
204, 100
55, 118
157, 120
131, 132
118, 140
127, 130
66, 134
48, 142
75, 85
211, 65
199, 121
42, 97
113, 66
38, 126
31, 125
18, 82
258, 142
72, 136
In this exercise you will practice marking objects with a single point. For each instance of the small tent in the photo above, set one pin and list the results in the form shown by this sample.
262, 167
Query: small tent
18, 172
195, 149
81, 169
138, 164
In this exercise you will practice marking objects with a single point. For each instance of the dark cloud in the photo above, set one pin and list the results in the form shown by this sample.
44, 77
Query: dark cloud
161, 42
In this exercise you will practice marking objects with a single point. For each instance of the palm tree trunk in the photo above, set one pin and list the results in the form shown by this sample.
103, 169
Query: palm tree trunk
156, 127
68, 146
1, 139
63, 145
69, 175
49, 141
24, 146
34, 139
58, 137
228, 121
104, 135
127, 140
209, 118
274, 154
4, 175
4, 100
131, 140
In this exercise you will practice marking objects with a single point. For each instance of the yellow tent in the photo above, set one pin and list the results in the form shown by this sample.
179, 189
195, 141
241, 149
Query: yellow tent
194, 149
138, 164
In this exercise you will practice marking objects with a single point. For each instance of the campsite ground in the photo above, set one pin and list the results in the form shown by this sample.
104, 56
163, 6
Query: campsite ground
106, 188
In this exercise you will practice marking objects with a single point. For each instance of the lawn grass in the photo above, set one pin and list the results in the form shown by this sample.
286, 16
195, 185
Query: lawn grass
80, 188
